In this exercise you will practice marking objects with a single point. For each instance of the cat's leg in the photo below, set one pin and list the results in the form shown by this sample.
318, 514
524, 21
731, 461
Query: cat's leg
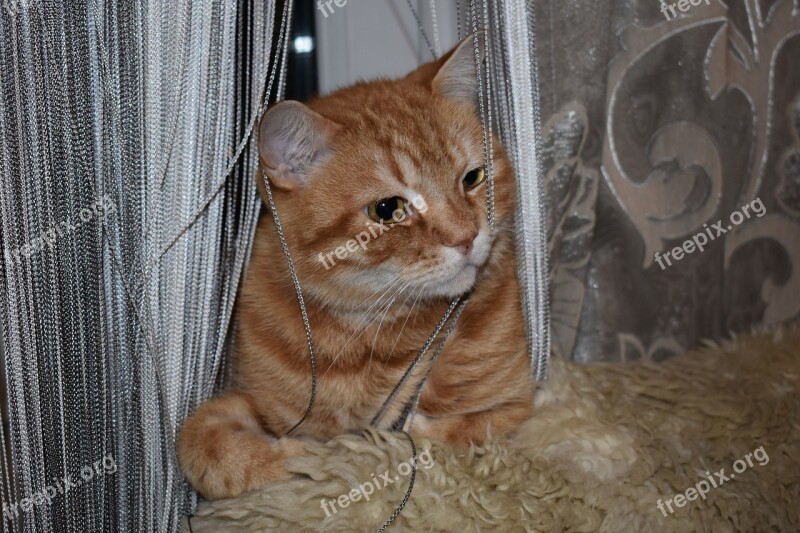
224, 451
461, 429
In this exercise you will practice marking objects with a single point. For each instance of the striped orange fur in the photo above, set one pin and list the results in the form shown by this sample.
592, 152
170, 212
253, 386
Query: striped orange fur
370, 312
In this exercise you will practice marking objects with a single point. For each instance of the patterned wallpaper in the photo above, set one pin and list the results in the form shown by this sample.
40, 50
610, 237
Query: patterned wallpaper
672, 156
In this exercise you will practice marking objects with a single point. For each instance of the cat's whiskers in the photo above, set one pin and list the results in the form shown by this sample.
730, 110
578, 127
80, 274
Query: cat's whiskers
380, 324
416, 300
339, 318
360, 330
392, 285
369, 364
400, 277
365, 314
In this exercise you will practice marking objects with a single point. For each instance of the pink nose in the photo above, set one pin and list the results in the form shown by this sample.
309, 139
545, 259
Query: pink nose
464, 245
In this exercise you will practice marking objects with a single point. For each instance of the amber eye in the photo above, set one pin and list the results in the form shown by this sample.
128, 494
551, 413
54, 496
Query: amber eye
474, 178
387, 210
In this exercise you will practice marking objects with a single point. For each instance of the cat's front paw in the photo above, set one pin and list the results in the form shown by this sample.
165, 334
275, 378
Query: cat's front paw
224, 452
462, 430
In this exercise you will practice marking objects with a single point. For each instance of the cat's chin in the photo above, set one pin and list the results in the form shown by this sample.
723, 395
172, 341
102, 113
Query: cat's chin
460, 284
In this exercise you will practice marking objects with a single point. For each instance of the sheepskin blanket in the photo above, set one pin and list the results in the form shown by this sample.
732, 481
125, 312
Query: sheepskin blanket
608, 446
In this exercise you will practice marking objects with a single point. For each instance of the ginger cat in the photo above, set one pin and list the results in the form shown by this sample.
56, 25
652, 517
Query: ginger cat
401, 161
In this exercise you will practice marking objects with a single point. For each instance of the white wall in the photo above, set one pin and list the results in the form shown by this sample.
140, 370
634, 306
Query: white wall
367, 39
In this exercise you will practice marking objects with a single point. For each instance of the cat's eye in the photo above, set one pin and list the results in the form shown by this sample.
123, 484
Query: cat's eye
474, 178
388, 210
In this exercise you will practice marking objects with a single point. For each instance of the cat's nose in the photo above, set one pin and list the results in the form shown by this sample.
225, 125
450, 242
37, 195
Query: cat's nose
463, 243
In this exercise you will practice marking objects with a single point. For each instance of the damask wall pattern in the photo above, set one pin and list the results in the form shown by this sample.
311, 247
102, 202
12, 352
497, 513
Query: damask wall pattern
656, 127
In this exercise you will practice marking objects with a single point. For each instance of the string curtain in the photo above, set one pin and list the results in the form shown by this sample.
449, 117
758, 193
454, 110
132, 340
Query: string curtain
124, 229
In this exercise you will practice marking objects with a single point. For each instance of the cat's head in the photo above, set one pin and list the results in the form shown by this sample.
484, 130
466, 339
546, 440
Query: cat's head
382, 184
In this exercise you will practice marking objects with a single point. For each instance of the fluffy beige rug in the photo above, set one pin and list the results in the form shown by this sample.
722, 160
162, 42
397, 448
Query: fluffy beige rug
607, 443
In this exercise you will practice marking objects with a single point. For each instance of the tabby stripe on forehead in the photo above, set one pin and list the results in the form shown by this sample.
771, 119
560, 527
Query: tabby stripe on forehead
429, 150
372, 121
407, 124
438, 146
402, 140
410, 156
449, 151
394, 168
460, 158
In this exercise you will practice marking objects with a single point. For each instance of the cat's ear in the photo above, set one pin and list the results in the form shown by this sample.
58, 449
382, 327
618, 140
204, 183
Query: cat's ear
458, 78
291, 140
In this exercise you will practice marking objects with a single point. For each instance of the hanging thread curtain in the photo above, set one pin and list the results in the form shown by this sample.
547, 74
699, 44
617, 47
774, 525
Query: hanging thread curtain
124, 235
